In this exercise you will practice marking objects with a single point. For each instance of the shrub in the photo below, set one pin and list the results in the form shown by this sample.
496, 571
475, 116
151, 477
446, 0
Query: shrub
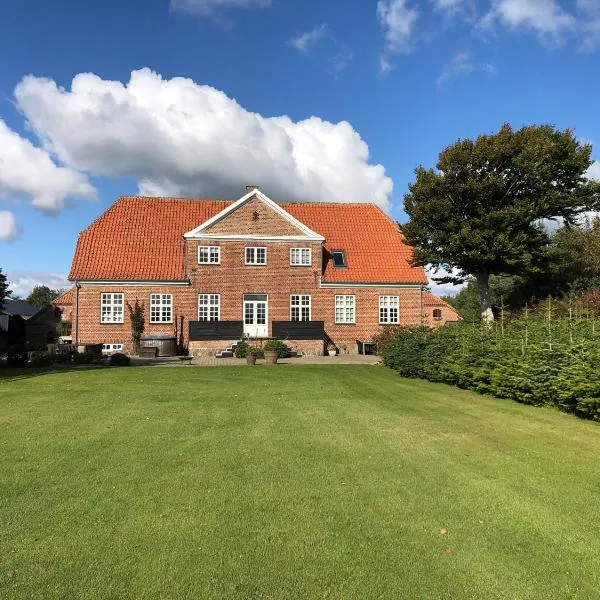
83, 358
241, 349
41, 359
119, 360
16, 356
255, 351
275, 345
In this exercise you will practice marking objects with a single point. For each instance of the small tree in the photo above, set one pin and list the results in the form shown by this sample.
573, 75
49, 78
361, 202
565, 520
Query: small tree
42, 295
4, 291
137, 317
481, 212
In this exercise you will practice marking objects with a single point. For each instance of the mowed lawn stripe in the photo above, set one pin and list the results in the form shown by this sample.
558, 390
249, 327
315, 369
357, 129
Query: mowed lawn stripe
290, 482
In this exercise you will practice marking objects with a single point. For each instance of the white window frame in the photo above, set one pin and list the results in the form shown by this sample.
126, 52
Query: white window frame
346, 303
254, 258
116, 310
300, 306
164, 304
388, 304
300, 257
210, 305
110, 348
213, 255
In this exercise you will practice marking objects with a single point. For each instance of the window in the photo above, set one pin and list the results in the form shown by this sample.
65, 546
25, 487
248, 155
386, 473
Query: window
299, 307
161, 308
209, 255
209, 307
339, 258
437, 314
111, 308
344, 309
256, 256
110, 348
388, 309
300, 257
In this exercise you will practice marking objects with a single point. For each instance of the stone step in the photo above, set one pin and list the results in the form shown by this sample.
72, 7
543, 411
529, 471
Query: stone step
224, 354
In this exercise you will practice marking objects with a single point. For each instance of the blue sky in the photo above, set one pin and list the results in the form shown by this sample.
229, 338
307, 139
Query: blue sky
309, 99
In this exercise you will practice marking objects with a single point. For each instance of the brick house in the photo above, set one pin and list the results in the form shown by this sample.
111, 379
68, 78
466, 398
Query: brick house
210, 272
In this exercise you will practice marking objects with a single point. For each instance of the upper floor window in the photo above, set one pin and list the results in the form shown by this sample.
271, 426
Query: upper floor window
339, 258
256, 256
209, 307
300, 257
161, 308
345, 309
209, 255
388, 309
300, 307
437, 314
111, 308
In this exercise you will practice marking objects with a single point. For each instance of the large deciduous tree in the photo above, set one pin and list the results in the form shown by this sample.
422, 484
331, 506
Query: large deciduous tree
481, 212
42, 295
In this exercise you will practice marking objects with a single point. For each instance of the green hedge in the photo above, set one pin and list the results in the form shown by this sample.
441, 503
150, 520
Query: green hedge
514, 363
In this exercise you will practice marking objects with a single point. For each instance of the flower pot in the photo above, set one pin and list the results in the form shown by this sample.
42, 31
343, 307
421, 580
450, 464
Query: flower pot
251, 359
332, 352
271, 357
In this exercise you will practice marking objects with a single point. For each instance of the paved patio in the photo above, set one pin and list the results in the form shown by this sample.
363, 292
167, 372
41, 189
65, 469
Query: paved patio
209, 361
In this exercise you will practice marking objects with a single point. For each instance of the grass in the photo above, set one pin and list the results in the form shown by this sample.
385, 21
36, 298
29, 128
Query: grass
302, 482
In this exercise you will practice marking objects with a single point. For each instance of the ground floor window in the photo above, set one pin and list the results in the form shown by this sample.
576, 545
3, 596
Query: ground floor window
437, 314
111, 308
388, 309
110, 348
209, 307
300, 307
161, 308
345, 309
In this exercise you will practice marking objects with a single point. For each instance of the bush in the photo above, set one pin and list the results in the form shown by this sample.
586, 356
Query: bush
275, 345
41, 359
255, 351
241, 349
16, 356
119, 360
83, 358
537, 359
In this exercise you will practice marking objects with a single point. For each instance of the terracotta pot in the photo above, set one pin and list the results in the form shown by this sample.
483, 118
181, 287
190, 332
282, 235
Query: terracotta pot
251, 359
271, 357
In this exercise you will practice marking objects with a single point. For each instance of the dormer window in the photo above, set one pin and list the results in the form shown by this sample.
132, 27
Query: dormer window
339, 258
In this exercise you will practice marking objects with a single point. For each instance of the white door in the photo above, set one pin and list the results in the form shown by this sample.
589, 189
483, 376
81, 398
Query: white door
255, 315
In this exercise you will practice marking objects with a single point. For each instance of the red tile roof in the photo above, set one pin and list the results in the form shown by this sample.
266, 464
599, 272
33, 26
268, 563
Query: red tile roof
140, 238
430, 299
65, 299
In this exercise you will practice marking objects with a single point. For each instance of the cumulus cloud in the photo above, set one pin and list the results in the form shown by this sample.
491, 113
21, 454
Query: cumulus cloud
305, 42
544, 17
398, 21
180, 138
9, 229
22, 282
443, 289
462, 64
589, 13
206, 8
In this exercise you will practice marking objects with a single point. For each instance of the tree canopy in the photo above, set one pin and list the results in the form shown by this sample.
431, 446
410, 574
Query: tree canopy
481, 212
4, 291
42, 295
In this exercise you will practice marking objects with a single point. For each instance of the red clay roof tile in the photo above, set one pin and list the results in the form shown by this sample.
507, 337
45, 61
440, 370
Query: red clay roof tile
140, 238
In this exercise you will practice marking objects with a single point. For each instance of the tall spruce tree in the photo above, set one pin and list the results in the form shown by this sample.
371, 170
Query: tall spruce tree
4, 291
481, 212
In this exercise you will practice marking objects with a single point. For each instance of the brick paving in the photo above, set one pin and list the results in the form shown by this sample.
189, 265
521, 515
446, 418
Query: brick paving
209, 361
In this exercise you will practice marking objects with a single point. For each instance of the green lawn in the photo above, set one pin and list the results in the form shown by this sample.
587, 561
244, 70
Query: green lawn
300, 482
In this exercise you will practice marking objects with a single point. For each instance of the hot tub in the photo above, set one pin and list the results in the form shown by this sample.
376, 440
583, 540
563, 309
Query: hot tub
166, 344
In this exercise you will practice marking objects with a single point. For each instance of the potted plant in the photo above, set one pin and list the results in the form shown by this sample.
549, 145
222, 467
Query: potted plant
252, 353
272, 348
331, 349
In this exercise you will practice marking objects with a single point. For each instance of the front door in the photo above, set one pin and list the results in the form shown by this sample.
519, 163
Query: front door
255, 315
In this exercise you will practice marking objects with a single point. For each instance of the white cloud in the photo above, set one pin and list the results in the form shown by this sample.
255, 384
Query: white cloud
398, 22
22, 282
448, 6
208, 7
305, 42
594, 171
443, 289
589, 14
9, 229
544, 17
177, 137
28, 173
462, 64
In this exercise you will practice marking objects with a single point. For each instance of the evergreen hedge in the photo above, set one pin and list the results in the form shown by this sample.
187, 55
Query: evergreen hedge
551, 357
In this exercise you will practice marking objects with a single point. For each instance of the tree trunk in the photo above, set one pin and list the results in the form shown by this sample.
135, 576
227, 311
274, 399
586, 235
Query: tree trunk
485, 300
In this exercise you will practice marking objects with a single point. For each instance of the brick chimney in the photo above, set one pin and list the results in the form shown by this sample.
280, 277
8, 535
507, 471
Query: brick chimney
251, 188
